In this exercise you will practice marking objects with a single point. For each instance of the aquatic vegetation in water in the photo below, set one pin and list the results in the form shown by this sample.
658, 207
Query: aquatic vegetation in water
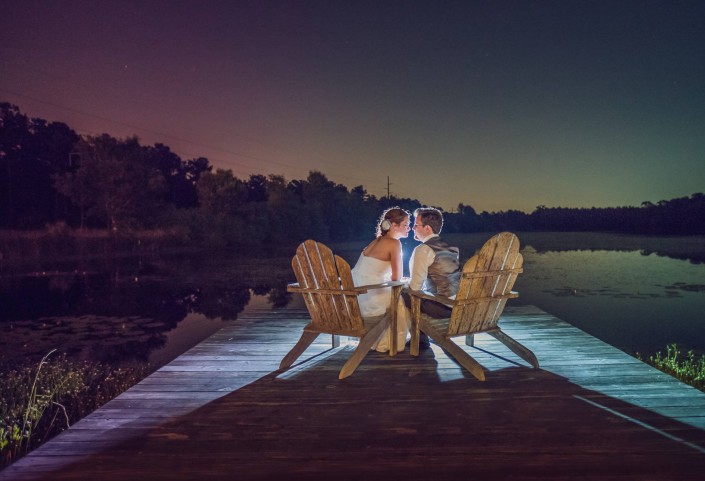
688, 287
39, 401
689, 368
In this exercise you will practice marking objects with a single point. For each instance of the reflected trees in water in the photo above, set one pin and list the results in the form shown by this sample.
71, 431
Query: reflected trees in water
119, 317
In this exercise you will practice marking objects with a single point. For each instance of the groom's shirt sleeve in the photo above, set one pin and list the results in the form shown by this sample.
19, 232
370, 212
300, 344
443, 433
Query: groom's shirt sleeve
421, 259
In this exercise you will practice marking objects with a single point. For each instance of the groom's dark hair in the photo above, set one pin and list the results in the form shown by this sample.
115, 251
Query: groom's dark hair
430, 216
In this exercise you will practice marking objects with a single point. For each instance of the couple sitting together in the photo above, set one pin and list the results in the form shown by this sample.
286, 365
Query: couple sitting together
434, 267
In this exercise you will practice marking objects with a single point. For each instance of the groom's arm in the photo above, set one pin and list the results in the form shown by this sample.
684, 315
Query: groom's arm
421, 259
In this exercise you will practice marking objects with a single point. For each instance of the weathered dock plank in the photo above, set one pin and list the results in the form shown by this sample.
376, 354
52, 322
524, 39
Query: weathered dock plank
222, 410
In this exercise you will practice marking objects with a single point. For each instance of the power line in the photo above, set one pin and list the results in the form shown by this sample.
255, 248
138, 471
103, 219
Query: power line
157, 133
198, 144
74, 82
153, 132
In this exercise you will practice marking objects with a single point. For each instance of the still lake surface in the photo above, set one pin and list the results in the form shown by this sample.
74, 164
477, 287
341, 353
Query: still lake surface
636, 293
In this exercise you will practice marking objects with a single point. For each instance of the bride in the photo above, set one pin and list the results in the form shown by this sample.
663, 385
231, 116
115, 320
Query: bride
381, 261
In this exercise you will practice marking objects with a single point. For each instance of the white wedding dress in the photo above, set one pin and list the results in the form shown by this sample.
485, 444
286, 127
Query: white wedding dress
367, 271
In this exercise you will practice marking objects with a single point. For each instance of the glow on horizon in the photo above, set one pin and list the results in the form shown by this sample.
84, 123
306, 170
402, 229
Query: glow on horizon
555, 103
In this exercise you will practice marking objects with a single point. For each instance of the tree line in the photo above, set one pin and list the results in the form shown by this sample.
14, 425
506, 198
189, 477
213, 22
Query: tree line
51, 175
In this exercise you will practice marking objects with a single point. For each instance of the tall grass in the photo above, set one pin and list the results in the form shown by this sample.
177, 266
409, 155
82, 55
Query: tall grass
59, 241
38, 402
687, 367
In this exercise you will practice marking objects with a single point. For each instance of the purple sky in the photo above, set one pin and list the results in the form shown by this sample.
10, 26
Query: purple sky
499, 105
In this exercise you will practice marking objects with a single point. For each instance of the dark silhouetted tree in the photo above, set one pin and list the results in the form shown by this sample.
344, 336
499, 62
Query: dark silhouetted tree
32, 151
113, 183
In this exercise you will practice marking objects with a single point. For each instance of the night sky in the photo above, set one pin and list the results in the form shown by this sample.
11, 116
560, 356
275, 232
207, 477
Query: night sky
496, 104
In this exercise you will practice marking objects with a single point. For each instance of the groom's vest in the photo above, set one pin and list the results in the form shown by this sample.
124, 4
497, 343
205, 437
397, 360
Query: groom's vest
444, 272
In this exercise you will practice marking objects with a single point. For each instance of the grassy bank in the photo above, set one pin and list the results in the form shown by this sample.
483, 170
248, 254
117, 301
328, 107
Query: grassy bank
687, 367
38, 402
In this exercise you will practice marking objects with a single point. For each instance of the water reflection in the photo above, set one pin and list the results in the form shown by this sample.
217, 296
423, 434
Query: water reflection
128, 313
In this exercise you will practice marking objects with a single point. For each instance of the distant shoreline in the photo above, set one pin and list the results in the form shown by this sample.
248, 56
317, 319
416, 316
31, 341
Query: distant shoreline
19, 248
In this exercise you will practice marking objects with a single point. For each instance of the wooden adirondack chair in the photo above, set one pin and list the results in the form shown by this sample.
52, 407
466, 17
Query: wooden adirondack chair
486, 284
326, 283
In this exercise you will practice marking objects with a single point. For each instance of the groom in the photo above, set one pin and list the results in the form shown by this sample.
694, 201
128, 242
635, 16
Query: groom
434, 266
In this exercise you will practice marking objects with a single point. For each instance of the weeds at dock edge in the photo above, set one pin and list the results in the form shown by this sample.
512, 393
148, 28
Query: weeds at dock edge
689, 368
38, 402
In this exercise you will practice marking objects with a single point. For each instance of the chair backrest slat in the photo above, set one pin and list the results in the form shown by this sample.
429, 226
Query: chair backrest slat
351, 301
503, 259
315, 265
341, 319
497, 265
324, 301
302, 271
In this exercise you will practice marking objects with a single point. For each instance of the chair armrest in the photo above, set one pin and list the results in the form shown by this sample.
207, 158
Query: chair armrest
295, 287
431, 297
364, 289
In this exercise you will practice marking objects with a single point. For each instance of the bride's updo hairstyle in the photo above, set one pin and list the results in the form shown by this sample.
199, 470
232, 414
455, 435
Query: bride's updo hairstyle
392, 215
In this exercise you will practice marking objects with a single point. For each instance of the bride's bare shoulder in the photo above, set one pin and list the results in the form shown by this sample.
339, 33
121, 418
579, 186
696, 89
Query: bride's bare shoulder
391, 244
382, 248
371, 245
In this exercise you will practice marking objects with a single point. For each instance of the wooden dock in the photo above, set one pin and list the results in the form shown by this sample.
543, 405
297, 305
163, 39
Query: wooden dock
223, 411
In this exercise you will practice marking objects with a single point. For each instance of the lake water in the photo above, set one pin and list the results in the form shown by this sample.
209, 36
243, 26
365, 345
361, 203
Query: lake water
632, 301
636, 293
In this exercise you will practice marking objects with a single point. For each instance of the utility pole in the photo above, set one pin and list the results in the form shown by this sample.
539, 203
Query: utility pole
388, 184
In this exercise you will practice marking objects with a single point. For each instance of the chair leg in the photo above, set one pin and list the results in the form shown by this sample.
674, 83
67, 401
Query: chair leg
470, 340
462, 357
393, 317
517, 348
306, 339
363, 348
415, 332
